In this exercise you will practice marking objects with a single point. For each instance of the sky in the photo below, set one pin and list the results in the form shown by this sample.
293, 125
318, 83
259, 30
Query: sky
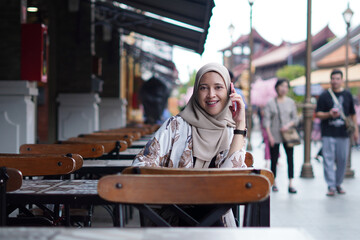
275, 20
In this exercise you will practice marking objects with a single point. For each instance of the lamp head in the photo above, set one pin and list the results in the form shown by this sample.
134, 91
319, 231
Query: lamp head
347, 14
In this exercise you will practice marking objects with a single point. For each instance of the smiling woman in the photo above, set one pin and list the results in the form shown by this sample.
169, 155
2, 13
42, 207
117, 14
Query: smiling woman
209, 133
212, 94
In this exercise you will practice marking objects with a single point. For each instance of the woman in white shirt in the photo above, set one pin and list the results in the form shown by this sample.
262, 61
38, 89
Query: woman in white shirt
209, 132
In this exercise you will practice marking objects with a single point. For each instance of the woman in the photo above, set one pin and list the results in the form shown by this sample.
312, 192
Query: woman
209, 132
280, 115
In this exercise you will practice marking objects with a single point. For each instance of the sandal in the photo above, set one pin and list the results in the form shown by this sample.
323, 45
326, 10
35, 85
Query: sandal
330, 193
292, 190
340, 190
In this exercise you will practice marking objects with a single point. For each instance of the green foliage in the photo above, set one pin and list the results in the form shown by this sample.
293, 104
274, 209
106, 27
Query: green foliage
190, 83
291, 72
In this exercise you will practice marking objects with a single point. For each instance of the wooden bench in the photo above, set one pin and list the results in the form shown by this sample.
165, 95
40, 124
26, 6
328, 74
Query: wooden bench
42, 164
98, 139
191, 171
137, 131
86, 150
256, 214
224, 191
112, 136
111, 147
10, 180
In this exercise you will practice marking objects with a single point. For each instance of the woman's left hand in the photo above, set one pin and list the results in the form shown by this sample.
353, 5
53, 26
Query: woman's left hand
237, 108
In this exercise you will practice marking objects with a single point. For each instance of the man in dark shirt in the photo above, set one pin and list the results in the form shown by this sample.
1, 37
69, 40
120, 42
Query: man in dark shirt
333, 131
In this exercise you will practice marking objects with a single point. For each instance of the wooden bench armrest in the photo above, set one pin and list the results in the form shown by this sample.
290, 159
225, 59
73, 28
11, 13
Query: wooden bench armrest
184, 189
86, 150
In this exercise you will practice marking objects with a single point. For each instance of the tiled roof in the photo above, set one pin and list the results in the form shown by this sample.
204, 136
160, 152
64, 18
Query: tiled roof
281, 53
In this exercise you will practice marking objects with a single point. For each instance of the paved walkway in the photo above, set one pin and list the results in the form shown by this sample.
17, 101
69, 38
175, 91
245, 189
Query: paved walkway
328, 218
323, 217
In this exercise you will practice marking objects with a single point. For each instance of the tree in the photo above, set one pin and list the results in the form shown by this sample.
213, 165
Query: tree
291, 72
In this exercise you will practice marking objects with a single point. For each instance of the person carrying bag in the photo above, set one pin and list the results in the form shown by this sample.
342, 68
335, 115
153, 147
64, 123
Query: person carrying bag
290, 136
349, 124
280, 118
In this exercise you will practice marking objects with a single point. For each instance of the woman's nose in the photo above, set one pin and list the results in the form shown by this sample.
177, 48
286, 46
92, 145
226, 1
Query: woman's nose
211, 92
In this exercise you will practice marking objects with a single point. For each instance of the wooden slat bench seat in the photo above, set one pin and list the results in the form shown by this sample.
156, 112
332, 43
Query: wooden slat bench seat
86, 150
40, 164
110, 146
223, 191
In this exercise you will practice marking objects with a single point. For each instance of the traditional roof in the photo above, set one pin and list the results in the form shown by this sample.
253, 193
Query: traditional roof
333, 53
245, 39
281, 53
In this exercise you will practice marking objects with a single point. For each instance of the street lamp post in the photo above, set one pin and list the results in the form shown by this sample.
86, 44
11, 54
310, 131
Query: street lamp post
307, 170
347, 18
231, 32
347, 14
249, 108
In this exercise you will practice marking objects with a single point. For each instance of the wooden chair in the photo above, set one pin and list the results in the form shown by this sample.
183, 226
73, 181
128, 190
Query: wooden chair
112, 148
138, 131
186, 171
40, 164
128, 140
256, 214
86, 150
106, 136
224, 191
10, 180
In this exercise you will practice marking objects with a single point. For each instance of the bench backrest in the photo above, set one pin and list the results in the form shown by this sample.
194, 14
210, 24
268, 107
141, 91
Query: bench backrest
86, 150
184, 189
109, 136
186, 171
39, 164
14, 181
109, 145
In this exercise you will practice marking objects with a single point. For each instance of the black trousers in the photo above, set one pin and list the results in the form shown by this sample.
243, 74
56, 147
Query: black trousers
274, 153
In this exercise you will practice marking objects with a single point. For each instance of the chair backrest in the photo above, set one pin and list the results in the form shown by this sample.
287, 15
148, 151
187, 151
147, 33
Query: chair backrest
40, 164
109, 145
14, 181
135, 134
191, 171
102, 136
249, 159
184, 189
141, 131
86, 150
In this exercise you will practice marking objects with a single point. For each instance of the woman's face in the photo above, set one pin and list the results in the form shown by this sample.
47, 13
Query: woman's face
212, 93
283, 89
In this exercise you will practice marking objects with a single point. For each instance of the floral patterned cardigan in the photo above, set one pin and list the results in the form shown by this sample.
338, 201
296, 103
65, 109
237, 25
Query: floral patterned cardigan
172, 147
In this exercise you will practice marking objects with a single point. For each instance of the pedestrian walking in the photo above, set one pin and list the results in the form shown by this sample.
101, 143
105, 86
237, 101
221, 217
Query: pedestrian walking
280, 115
335, 139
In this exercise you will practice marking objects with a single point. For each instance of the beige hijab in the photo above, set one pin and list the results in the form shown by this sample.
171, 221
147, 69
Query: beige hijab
209, 133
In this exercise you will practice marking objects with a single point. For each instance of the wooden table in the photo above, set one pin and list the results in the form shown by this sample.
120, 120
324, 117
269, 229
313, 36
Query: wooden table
153, 233
72, 193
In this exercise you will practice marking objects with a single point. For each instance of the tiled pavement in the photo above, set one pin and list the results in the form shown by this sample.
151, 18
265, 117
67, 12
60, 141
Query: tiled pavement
323, 217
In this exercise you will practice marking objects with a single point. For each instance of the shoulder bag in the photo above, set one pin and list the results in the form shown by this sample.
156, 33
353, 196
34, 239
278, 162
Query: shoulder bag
349, 123
291, 136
